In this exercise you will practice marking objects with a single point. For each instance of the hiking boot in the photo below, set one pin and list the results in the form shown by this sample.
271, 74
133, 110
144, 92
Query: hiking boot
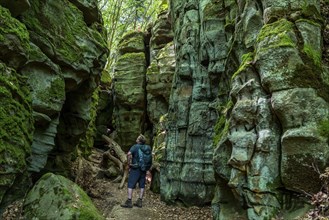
127, 204
138, 203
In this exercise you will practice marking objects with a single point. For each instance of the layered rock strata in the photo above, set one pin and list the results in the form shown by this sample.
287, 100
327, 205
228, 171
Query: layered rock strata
51, 56
142, 81
249, 81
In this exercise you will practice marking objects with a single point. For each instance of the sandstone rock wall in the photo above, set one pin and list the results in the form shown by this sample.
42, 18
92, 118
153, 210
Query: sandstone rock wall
142, 81
51, 57
251, 83
129, 89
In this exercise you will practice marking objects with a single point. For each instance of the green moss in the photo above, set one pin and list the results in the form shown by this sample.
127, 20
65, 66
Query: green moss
222, 125
106, 78
246, 62
315, 55
16, 126
310, 10
164, 6
132, 57
87, 143
88, 210
312, 22
11, 26
131, 34
153, 68
55, 93
132, 44
279, 31
323, 128
68, 37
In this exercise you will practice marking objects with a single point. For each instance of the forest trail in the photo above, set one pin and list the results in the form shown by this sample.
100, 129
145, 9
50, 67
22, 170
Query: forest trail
110, 198
107, 197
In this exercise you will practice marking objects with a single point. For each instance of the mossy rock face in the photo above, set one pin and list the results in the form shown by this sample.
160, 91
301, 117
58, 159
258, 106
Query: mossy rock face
129, 93
90, 10
87, 142
46, 81
159, 79
132, 42
14, 40
55, 197
130, 79
277, 56
59, 30
15, 7
16, 130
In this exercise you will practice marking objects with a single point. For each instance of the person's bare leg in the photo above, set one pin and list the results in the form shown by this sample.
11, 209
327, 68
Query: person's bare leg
130, 193
128, 203
141, 194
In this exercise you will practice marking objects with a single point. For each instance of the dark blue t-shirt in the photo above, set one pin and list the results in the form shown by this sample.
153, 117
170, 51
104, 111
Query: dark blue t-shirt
134, 152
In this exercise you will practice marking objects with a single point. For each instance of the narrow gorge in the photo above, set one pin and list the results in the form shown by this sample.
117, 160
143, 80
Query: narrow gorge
232, 96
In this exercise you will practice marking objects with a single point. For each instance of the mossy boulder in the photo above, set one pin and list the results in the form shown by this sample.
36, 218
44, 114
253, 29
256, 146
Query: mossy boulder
16, 132
55, 197
61, 33
14, 40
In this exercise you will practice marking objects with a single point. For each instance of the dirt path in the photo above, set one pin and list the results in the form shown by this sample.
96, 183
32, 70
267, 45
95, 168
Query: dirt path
107, 198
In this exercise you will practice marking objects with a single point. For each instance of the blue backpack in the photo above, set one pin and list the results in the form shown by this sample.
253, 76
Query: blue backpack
145, 157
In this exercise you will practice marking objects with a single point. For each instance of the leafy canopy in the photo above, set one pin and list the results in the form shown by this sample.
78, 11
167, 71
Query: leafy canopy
121, 16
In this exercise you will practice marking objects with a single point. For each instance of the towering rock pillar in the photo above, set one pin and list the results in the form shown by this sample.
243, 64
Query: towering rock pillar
201, 46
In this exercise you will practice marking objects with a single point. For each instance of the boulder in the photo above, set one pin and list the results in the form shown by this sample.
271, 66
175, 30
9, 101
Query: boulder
55, 197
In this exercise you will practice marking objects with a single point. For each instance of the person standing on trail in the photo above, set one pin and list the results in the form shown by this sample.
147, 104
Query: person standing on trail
139, 162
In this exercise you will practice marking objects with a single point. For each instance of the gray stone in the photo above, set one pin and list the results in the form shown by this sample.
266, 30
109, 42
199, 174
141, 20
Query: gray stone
55, 197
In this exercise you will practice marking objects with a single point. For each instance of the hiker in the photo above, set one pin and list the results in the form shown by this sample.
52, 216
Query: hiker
139, 162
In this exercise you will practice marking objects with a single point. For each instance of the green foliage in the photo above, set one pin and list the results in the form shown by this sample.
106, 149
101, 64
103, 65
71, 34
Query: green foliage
121, 16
